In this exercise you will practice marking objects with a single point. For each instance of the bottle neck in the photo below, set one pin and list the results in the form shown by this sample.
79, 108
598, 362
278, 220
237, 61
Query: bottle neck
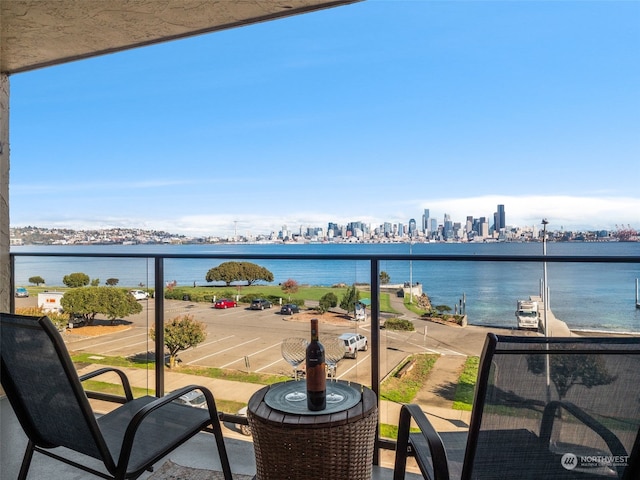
314, 330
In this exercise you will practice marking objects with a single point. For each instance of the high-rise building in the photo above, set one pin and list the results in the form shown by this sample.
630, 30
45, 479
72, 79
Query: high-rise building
499, 222
425, 222
447, 227
413, 228
433, 228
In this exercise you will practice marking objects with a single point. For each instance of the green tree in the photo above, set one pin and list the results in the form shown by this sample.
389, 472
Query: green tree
95, 282
442, 308
113, 303
75, 280
117, 303
384, 278
567, 370
289, 287
230, 272
37, 280
349, 299
181, 333
327, 301
112, 282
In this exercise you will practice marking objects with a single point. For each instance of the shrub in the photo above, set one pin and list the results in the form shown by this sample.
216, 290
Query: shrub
60, 320
328, 300
399, 324
249, 298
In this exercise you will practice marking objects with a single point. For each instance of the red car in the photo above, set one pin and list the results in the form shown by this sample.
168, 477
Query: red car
225, 303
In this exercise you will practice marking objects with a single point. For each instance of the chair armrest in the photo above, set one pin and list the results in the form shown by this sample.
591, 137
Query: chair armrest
613, 442
434, 454
105, 396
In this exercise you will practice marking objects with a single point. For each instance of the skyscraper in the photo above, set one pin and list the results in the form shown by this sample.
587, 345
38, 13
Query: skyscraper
499, 222
425, 222
413, 228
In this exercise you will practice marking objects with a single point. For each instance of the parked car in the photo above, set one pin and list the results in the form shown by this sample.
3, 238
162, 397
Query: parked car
354, 342
289, 309
244, 429
225, 303
260, 304
139, 294
194, 398
21, 292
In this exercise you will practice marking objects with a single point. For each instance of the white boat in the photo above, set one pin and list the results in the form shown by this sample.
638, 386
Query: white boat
527, 314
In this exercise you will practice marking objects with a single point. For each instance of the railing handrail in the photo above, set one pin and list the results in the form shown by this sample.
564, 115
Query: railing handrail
352, 256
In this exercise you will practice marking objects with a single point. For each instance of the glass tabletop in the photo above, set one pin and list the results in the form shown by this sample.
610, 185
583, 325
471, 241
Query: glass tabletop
275, 398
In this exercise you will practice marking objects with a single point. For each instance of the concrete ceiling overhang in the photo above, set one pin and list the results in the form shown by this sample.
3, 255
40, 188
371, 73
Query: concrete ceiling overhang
40, 33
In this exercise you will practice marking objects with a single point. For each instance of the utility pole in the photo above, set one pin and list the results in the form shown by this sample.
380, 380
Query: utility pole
545, 301
410, 271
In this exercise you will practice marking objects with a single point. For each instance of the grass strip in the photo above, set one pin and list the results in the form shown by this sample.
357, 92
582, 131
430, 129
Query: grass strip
404, 390
463, 399
208, 372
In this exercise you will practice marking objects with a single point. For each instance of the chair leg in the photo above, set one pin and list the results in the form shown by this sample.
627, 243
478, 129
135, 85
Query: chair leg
222, 451
26, 461
402, 444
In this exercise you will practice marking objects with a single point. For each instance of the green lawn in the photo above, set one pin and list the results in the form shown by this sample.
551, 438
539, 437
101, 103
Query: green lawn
463, 399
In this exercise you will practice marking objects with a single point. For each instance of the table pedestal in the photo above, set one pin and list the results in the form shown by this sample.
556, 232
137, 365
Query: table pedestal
334, 446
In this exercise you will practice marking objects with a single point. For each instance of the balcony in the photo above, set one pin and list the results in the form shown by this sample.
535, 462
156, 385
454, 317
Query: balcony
247, 341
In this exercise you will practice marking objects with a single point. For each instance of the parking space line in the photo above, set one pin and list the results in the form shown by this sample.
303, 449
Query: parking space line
222, 351
126, 346
358, 362
270, 365
215, 341
254, 353
110, 341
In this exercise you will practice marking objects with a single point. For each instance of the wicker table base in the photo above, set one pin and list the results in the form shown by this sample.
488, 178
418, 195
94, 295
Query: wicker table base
336, 446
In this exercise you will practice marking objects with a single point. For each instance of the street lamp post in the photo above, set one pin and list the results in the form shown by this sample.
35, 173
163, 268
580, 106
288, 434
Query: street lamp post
545, 295
545, 301
410, 271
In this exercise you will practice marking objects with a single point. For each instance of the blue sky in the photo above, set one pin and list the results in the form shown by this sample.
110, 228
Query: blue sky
370, 112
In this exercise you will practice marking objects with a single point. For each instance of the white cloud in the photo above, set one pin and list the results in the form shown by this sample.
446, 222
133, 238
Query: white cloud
562, 212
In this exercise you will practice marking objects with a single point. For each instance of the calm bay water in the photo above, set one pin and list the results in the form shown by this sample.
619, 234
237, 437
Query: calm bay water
585, 296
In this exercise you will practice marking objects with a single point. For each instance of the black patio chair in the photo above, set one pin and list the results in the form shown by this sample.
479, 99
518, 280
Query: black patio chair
53, 409
544, 408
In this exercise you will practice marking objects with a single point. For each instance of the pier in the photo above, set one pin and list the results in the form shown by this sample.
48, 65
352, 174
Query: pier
555, 327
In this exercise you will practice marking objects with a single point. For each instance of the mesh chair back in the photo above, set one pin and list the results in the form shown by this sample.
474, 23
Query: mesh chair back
43, 387
555, 408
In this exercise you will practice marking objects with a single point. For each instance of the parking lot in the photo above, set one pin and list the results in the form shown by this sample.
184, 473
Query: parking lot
249, 340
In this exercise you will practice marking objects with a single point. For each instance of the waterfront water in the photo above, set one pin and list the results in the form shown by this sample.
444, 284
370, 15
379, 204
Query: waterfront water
585, 296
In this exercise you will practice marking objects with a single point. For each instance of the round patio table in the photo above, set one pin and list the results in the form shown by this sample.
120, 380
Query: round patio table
291, 442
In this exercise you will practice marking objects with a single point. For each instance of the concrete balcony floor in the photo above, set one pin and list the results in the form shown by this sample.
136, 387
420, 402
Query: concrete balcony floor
199, 452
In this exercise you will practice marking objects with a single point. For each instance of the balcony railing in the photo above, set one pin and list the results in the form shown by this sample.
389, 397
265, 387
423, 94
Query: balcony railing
158, 269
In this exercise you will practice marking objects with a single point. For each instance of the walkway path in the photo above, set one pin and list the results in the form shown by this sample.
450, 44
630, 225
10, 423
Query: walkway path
437, 394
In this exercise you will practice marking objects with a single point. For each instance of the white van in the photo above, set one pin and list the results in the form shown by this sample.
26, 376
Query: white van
50, 301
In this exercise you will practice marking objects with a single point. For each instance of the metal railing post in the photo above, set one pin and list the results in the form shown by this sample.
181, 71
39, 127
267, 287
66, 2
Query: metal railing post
159, 324
12, 283
375, 342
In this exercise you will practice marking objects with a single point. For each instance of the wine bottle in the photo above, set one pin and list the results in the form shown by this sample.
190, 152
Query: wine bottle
316, 374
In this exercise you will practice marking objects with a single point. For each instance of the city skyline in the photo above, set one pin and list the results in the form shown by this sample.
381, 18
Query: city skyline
370, 112
427, 229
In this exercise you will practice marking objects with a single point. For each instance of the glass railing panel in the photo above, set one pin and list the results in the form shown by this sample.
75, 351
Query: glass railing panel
121, 341
242, 345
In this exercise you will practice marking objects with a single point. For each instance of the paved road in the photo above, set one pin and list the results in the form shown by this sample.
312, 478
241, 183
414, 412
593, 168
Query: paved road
248, 340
